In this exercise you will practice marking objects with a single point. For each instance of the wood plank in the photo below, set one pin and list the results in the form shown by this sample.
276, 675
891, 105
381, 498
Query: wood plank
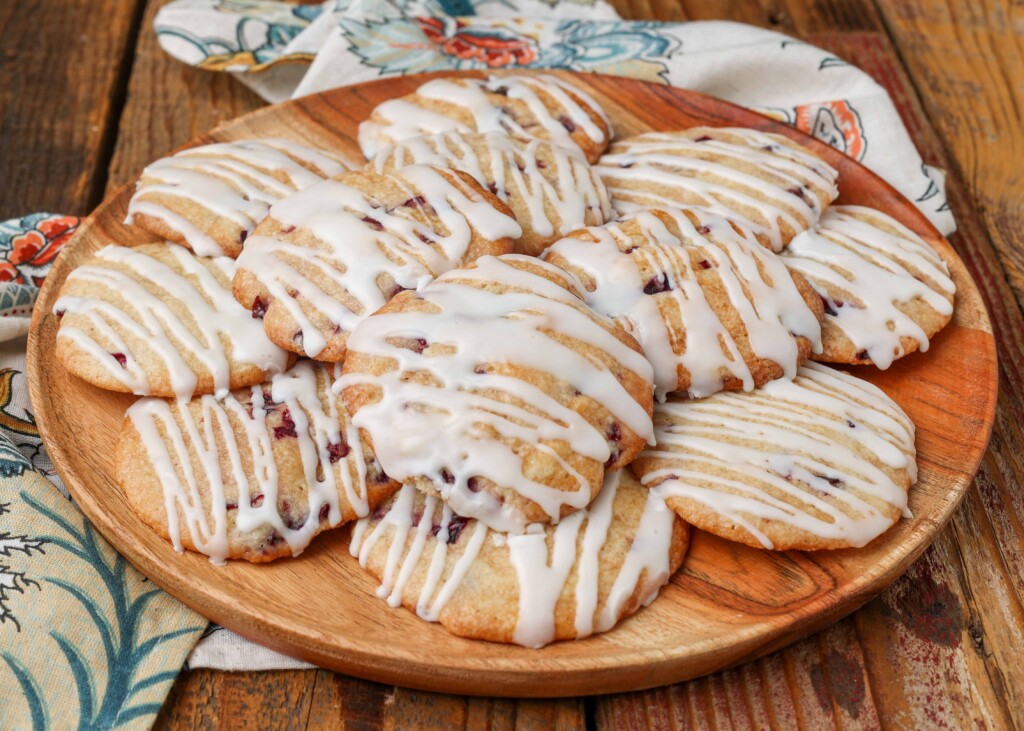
820, 682
169, 103
968, 56
340, 702
209, 699
422, 711
61, 81
667, 10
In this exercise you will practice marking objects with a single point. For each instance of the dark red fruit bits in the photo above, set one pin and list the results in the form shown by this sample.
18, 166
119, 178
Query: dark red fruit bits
259, 309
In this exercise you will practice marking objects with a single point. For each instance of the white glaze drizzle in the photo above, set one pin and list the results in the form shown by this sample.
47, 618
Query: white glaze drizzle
511, 169
771, 313
542, 572
149, 288
672, 160
346, 219
400, 119
402, 560
226, 428
850, 251
423, 430
234, 180
797, 420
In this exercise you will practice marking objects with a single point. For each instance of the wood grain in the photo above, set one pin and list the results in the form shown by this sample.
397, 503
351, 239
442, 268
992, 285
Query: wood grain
729, 603
969, 57
61, 80
280, 700
168, 103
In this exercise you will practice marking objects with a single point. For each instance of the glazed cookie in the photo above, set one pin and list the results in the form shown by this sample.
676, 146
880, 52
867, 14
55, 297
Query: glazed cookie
210, 198
498, 389
711, 308
552, 190
255, 475
823, 461
526, 107
762, 181
330, 255
884, 289
581, 577
158, 320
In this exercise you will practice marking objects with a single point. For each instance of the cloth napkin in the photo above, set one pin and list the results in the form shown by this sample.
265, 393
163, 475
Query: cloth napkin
86, 639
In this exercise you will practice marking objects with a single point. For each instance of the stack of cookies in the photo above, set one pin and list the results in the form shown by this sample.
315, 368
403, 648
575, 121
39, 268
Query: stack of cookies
520, 357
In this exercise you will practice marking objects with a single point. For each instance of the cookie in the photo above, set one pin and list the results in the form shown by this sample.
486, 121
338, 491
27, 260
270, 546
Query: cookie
823, 461
885, 291
330, 255
255, 475
210, 198
551, 190
581, 577
158, 320
711, 307
498, 389
763, 181
537, 106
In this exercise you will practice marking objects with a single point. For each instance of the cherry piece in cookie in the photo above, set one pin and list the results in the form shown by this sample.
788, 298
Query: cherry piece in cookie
305, 467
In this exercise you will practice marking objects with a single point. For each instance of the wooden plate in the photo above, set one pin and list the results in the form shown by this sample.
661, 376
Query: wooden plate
729, 603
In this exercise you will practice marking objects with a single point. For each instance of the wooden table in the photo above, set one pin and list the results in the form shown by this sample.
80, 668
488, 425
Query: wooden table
88, 98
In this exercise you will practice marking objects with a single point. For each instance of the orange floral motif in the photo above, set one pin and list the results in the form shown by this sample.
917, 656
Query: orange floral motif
29, 245
7, 272
498, 48
835, 123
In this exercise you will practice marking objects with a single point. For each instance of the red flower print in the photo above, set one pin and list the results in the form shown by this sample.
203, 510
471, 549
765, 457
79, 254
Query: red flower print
58, 231
835, 123
58, 226
497, 48
26, 246
8, 273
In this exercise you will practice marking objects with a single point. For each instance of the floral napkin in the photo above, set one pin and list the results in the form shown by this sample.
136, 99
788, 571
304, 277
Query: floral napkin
85, 640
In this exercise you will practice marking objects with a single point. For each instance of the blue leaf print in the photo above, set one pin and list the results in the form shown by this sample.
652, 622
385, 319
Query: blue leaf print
82, 675
590, 46
30, 689
125, 650
12, 462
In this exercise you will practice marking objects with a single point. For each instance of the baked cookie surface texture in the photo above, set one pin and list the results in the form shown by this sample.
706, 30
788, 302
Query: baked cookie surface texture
255, 475
711, 307
885, 290
763, 181
823, 461
158, 320
498, 389
210, 198
581, 577
330, 255
537, 106
551, 190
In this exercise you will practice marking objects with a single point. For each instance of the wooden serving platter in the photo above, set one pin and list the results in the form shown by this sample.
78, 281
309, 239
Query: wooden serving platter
729, 603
